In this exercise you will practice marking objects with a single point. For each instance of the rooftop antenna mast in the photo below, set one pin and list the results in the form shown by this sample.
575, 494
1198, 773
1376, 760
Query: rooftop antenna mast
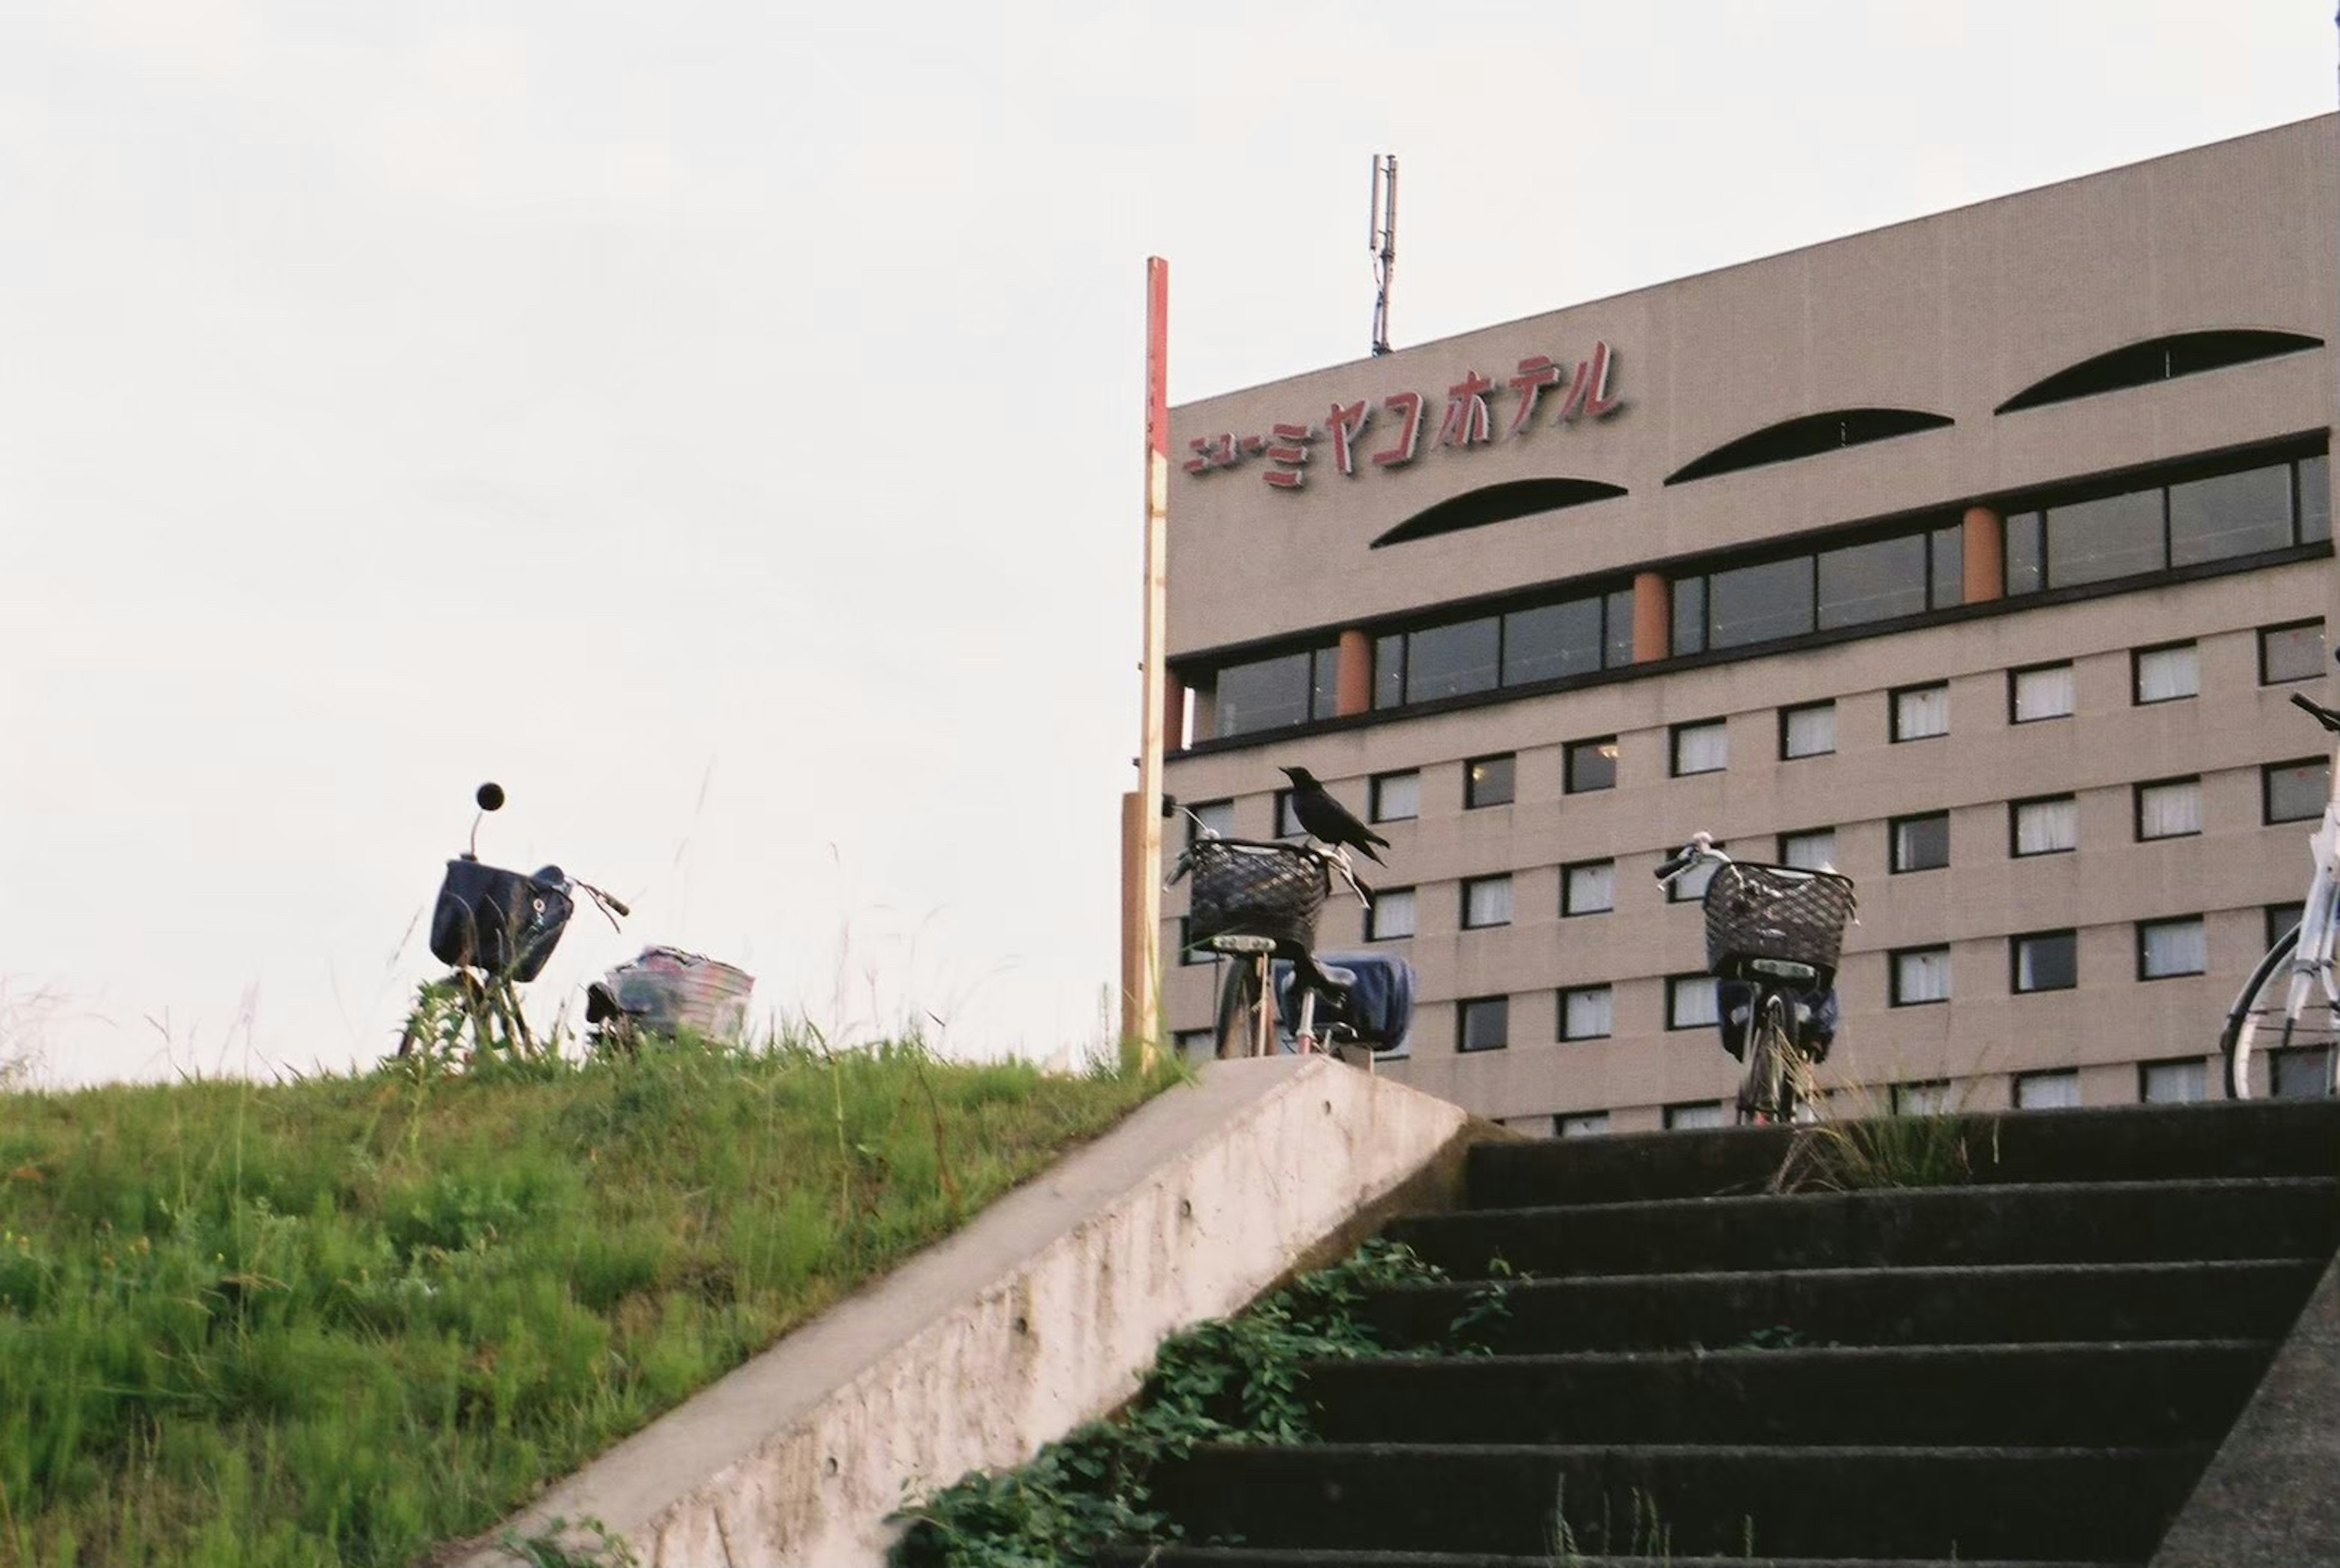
1383, 241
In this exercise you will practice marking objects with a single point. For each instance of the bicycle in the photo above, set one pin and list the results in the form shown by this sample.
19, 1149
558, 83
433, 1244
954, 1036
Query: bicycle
1257, 904
2289, 1009
495, 928
1778, 929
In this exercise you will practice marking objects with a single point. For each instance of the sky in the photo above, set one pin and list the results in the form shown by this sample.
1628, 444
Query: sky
721, 424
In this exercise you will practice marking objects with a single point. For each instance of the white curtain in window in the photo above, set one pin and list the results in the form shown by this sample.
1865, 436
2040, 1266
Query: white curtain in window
1491, 902
1701, 749
1811, 851
1708, 1114
1591, 889
1584, 1124
1587, 1015
2171, 1083
1920, 1099
1921, 713
1811, 731
1392, 914
2166, 810
1397, 797
1691, 886
2043, 826
1692, 1002
2168, 672
1923, 976
1218, 815
2043, 693
2176, 948
2046, 1091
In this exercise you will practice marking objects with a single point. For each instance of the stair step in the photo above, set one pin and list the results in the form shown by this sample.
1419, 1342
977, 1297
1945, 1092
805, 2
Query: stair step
1271, 1557
2116, 1142
1928, 1504
2250, 1298
2077, 1222
2037, 1396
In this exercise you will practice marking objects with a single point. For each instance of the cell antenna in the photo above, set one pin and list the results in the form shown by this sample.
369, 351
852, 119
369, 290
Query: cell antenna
1383, 242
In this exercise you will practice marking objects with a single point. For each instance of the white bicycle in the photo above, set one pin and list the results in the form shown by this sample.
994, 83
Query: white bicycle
1257, 903
2281, 1031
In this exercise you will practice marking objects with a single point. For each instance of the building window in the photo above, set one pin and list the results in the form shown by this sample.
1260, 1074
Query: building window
2046, 1091
1452, 660
1274, 693
2293, 791
1541, 642
1920, 711
2047, 825
2167, 673
1550, 641
2046, 960
2233, 514
1391, 915
1395, 796
2042, 691
2293, 652
1586, 1013
1579, 1124
1590, 888
1820, 589
1691, 886
1483, 1024
2171, 808
1194, 1045
1287, 821
1487, 901
1930, 1098
1921, 843
1919, 974
1701, 748
2178, 1083
1487, 781
2282, 919
2301, 1072
1690, 1002
1591, 765
1693, 1116
1808, 731
2167, 948
1217, 817
1189, 954
2269, 507
1814, 850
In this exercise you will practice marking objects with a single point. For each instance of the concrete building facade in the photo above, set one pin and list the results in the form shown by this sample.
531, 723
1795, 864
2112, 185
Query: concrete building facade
1977, 556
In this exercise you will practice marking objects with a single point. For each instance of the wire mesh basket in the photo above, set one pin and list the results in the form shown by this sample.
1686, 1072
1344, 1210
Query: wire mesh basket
1778, 912
1243, 888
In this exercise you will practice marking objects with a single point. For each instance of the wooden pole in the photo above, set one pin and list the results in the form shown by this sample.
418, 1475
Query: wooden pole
1141, 930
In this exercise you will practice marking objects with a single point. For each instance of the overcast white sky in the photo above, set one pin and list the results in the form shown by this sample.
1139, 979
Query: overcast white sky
720, 422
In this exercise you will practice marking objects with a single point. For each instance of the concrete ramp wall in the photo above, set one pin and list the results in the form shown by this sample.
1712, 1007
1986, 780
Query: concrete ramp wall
1043, 1313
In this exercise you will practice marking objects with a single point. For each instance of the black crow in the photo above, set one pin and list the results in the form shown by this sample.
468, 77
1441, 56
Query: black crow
1328, 821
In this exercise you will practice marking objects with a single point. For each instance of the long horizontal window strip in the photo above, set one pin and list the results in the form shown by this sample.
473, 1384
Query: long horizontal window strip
1571, 637
1275, 693
1888, 579
2158, 528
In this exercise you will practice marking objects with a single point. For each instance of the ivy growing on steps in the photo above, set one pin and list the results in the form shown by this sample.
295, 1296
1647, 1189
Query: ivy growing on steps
1230, 1380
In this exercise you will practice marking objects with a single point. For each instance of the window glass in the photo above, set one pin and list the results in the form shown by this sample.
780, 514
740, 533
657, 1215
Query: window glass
1813, 851
2046, 1091
1325, 696
1287, 822
1876, 582
1592, 765
1808, 731
1690, 1117
1927, 1099
1264, 695
2291, 652
1487, 901
1701, 748
2294, 792
1487, 781
1389, 671
1949, 552
1588, 889
1689, 1001
1921, 843
1586, 1013
1619, 650
1396, 797
1485, 1024
2233, 514
1690, 615
2171, 1083
1756, 603
2301, 1073
2050, 961
1551, 641
2169, 810
2047, 827
2026, 554
1217, 815
1921, 975
1920, 711
2042, 693
1450, 660
1392, 915
1195, 1045
2281, 919
2314, 498
2166, 674
1580, 1124
2167, 948
2097, 541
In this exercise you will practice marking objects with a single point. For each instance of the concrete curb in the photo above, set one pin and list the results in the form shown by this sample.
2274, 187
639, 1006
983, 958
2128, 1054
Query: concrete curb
1042, 1313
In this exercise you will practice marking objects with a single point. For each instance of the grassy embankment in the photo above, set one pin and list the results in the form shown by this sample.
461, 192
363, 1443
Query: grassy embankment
340, 1320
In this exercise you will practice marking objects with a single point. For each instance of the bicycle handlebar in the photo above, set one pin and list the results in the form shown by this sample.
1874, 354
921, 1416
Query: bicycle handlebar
1700, 848
2322, 715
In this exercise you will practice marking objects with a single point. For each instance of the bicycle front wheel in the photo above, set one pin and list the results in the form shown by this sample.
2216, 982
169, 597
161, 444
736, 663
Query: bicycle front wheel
1766, 1066
2269, 1048
1244, 1002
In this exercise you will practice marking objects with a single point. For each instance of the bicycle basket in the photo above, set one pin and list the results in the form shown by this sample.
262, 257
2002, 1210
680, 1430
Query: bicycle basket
1782, 912
1243, 888
500, 921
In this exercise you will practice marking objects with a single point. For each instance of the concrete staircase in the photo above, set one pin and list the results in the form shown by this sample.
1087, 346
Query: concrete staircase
2030, 1367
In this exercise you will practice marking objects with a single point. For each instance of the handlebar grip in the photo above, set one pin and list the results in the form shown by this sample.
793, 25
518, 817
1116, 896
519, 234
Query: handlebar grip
2322, 715
1673, 868
618, 906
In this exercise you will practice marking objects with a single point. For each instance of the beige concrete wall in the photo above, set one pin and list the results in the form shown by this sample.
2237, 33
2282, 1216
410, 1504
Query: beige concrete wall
1043, 1313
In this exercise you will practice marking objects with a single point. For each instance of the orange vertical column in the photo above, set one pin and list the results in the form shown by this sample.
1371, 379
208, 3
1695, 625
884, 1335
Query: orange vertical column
1985, 555
1653, 616
1352, 685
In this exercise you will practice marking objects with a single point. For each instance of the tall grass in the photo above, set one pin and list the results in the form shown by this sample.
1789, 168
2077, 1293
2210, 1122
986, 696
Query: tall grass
344, 1319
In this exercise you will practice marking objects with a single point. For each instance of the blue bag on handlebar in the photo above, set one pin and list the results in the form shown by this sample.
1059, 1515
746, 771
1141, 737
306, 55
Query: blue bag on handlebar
500, 921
